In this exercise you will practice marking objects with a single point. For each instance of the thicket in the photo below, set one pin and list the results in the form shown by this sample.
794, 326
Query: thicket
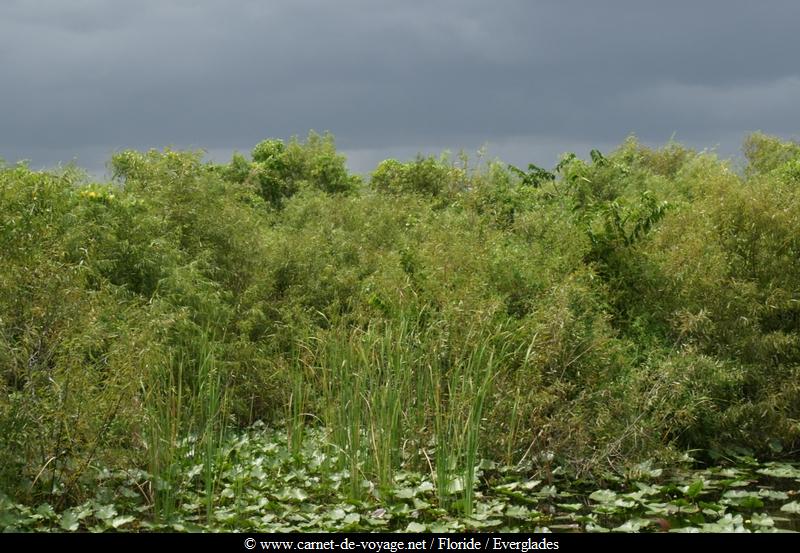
633, 306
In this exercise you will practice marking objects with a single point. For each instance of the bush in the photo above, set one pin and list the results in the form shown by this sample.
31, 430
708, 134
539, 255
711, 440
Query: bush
631, 305
278, 171
767, 153
425, 175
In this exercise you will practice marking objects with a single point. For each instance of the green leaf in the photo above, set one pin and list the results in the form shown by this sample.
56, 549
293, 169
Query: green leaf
739, 494
292, 494
792, 507
633, 525
683, 506
574, 507
352, 518
780, 471
122, 521
337, 514
415, 527
591, 527
517, 511
46, 510
426, 486
647, 489
751, 503
404, 493
129, 493
508, 487
69, 521
762, 519
728, 523
194, 471
646, 470
420, 504
694, 489
105, 512
456, 485
603, 496
548, 491
530, 484
773, 494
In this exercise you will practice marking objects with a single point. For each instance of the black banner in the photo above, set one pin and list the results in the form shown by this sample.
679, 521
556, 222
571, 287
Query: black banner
387, 543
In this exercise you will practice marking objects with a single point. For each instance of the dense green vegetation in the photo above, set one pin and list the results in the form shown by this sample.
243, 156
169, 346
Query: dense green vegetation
440, 315
265, 485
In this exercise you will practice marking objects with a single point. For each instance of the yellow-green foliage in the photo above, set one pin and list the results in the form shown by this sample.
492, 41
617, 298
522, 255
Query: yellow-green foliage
279, 170
641, 301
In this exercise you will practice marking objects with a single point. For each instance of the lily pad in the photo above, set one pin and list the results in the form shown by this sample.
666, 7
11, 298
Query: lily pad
352, 518
530, 484
591, 527
45, 510
633, 525
780, 471
517, 511
69, 521
118, 522
105, 512
405, 493
762, 519
337, 514
603, 496
573, 507
792, 507
416, 527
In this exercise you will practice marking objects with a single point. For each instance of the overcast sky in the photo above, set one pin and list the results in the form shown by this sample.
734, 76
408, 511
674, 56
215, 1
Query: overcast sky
81, 79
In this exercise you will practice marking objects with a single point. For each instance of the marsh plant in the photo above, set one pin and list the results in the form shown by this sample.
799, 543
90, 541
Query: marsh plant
429, 328
185, 425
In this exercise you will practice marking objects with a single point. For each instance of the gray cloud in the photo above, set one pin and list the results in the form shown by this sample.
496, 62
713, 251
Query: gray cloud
84, 78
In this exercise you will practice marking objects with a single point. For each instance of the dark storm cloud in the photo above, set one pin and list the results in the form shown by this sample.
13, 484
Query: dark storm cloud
533, 78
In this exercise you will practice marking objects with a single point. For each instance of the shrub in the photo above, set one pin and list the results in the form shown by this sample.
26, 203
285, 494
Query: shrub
635, 304
424, 175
